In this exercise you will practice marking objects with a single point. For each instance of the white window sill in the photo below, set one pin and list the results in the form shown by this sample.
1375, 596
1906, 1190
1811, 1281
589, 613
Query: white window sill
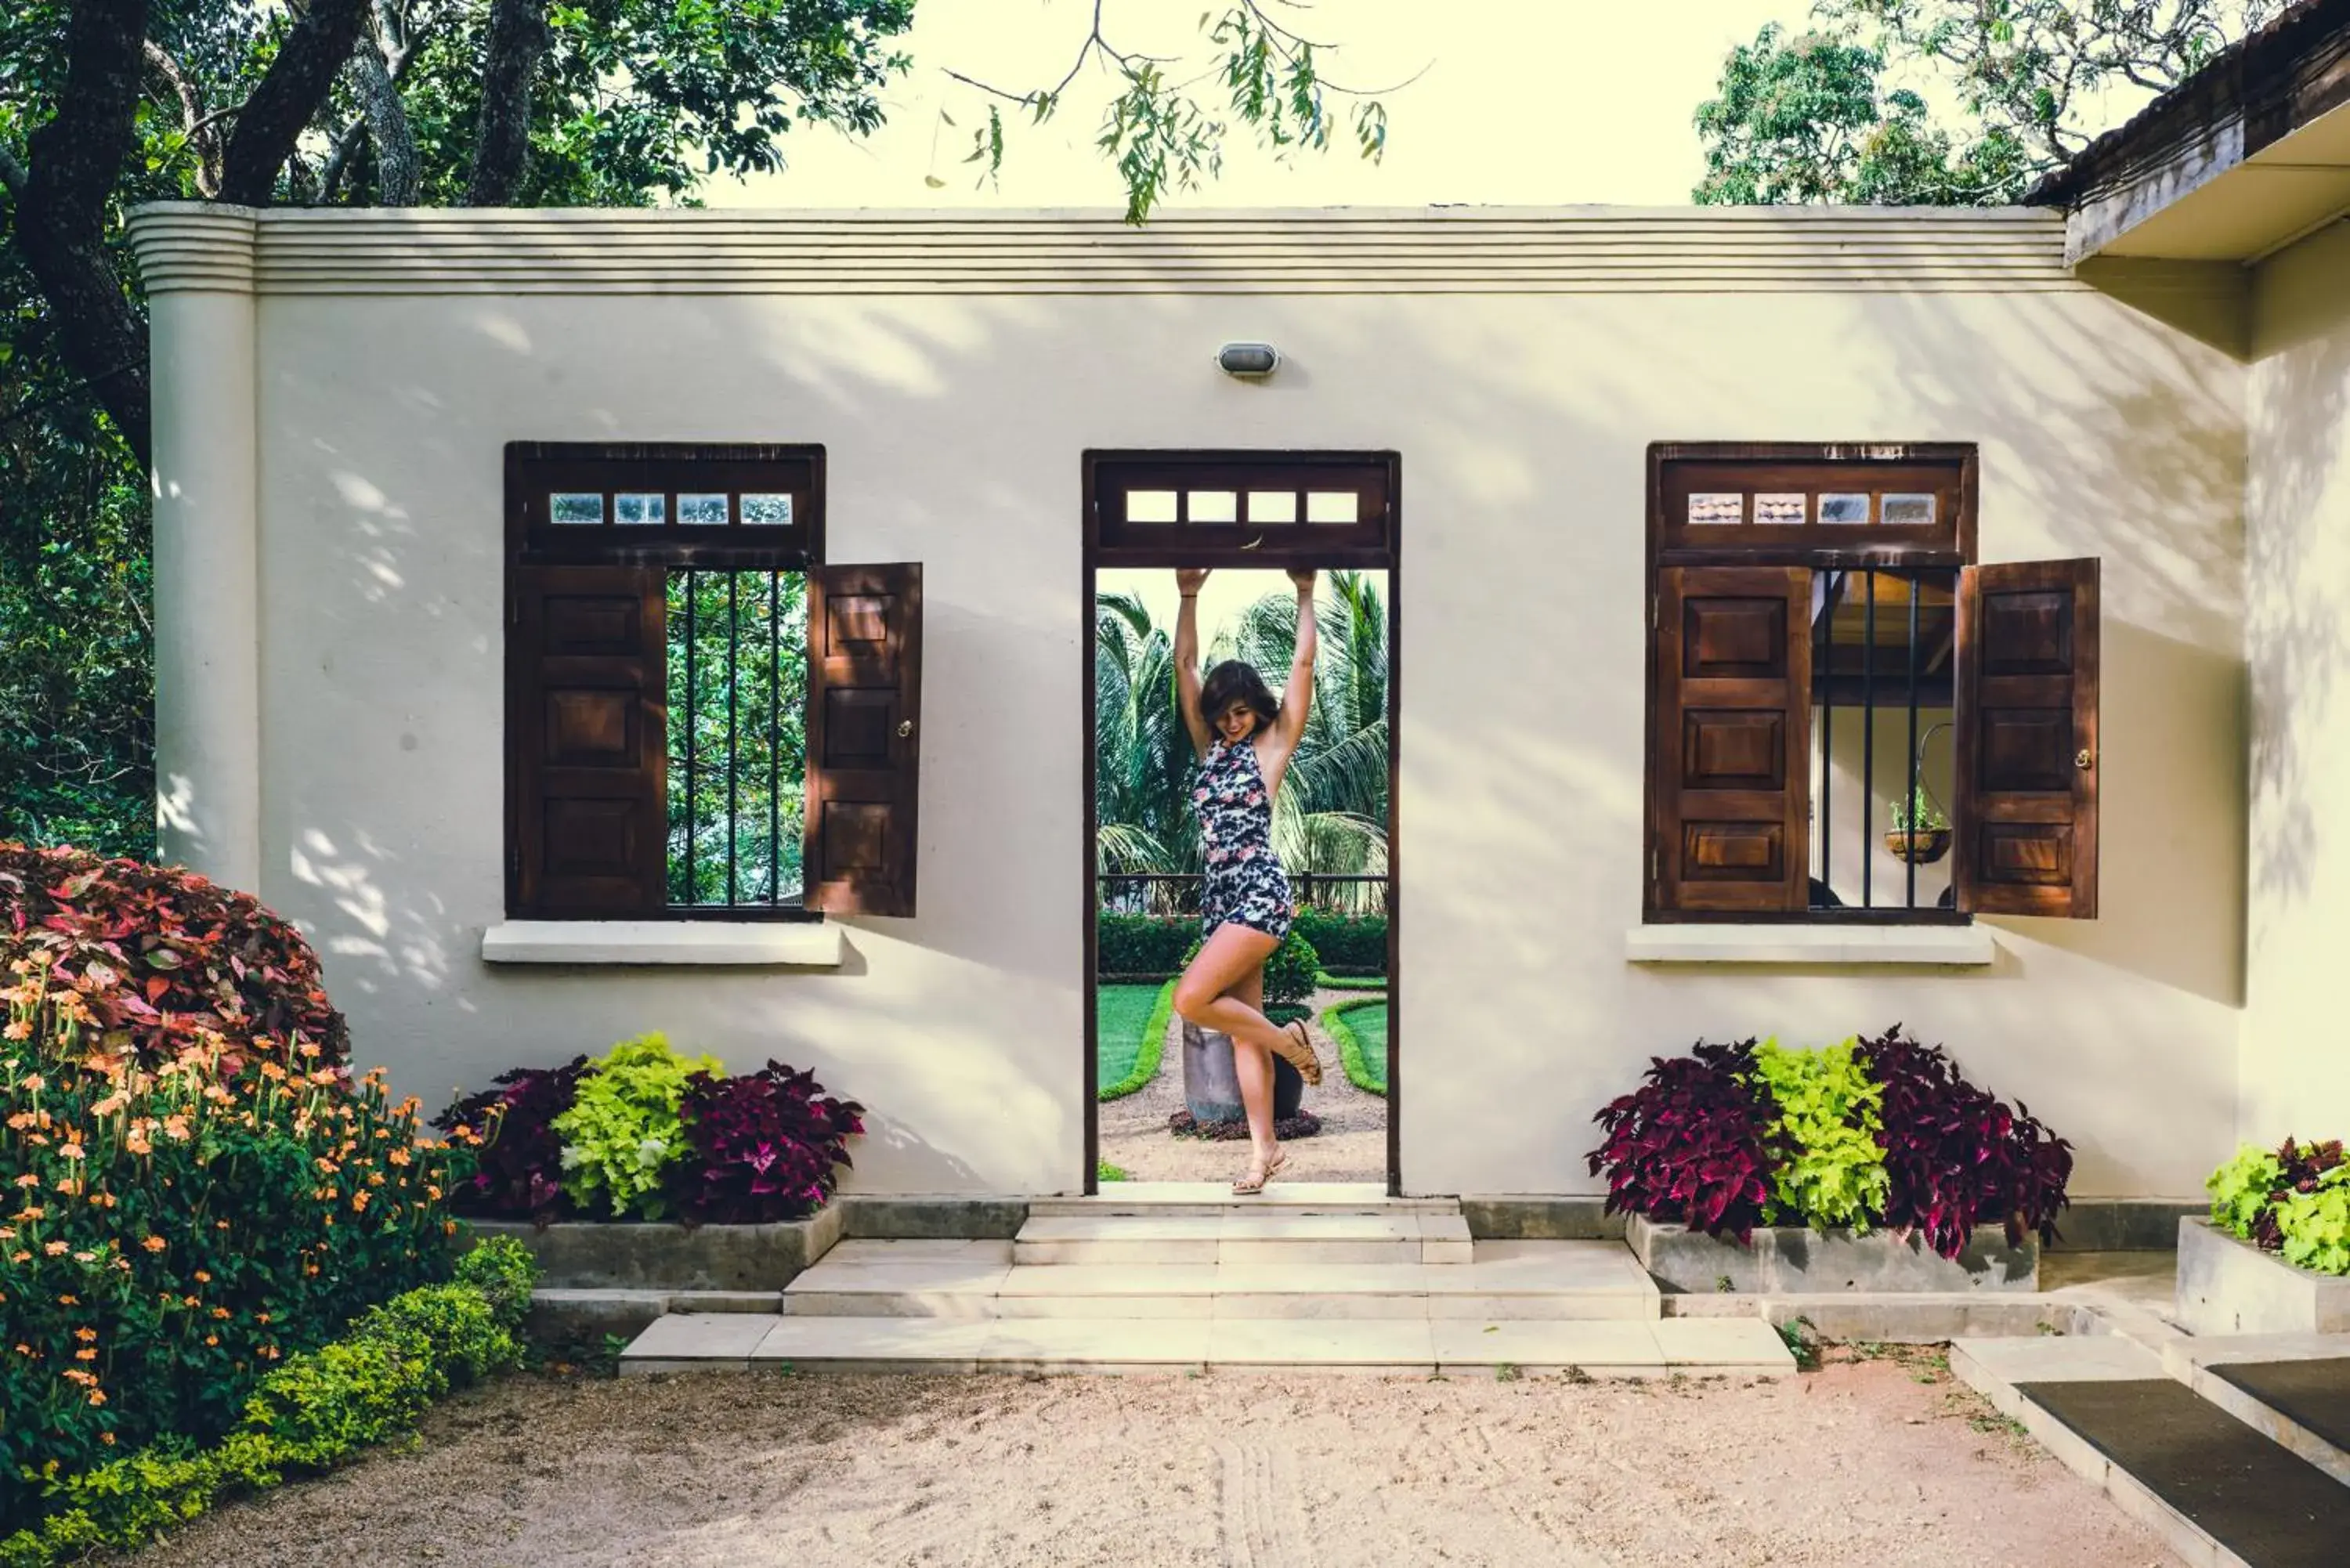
814, 943
1821, 944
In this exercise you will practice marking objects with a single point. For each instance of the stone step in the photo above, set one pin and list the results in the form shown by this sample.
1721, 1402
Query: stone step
1406, 1348
1586, 1280
2216, 1490
2291, 1388
1242, 1238
1210, 1198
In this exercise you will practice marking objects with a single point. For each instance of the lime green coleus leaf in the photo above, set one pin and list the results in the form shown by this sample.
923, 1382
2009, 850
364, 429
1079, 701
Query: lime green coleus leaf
1831, 1156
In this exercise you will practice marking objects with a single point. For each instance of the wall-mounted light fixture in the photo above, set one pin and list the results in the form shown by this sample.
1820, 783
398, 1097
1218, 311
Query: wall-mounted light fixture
1249, 361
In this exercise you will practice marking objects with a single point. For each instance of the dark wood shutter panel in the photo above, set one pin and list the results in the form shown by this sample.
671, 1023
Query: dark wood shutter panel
864, 738
1733, 712
587, 704
2026, 813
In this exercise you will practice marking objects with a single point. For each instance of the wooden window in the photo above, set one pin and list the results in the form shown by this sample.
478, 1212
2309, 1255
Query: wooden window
663, 671
1328, 510
1817, 622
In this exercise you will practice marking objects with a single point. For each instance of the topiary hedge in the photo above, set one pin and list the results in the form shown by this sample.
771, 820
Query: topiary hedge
1349, 944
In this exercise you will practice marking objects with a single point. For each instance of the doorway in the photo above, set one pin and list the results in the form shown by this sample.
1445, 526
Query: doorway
1248, 518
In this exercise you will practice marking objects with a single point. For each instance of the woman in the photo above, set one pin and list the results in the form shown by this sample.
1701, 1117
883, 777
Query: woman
1244, 740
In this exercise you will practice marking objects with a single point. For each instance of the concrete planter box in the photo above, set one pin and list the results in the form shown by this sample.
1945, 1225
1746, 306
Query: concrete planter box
1793, 1260
2229, 1286
626, 1255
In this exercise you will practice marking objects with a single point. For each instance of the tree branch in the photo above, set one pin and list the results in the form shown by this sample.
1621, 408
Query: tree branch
288, 98
519, 38
12, 173
399, 174
73, 162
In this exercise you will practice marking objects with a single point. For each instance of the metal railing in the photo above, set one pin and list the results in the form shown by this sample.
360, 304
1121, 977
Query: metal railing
1178, 893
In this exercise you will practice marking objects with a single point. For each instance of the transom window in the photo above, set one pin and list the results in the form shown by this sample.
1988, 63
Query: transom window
1850, 719
1336, 509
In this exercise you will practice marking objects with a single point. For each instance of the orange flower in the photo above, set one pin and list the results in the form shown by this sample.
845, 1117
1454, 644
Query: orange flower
398, 1157
270, 1351
54, 1249
85, 1335
154, 1243
107, 1438
87, 1353
212, 1339
203, 1277
20, 1257
28, 1180
220, 1312
69, 1301
71, 1151
97, 1395
359, 1201
34, 1082
26, 1350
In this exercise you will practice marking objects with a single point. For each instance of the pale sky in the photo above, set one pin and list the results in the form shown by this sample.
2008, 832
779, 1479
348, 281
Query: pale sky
1525, 102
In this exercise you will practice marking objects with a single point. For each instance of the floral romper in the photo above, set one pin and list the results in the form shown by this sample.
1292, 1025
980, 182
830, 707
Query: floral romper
1244, 882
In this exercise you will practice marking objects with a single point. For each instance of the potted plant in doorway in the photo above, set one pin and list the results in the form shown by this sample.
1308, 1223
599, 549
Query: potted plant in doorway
1212, 1089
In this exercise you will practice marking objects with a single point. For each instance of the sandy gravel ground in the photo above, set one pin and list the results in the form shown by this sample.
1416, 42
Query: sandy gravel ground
1351, 1147
1875, 1464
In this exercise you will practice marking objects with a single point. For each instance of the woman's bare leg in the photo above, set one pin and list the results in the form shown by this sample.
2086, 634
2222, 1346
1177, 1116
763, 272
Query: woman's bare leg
1208, 995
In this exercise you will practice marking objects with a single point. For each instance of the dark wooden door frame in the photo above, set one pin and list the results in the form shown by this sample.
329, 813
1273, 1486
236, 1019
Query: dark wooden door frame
1389, 561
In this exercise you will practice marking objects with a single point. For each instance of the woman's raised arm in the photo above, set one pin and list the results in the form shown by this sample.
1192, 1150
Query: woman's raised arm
1187, 657
1297, 696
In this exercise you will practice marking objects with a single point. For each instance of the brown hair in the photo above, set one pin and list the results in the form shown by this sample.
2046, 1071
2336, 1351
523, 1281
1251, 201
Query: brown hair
1235, 681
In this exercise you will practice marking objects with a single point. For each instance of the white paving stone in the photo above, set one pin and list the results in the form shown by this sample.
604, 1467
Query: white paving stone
697, 1339
1621, 1348
1745, 1345
2059, 1358
1391, 1344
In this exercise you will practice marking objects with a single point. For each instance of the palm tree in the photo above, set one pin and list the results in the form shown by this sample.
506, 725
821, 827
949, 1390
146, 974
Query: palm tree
1142, 758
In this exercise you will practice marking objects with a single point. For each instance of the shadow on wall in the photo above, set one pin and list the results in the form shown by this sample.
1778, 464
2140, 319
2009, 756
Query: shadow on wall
1544, 770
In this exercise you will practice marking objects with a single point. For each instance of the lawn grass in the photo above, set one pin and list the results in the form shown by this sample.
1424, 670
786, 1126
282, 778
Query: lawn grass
1361, 1028
1130, 1030
1351, 982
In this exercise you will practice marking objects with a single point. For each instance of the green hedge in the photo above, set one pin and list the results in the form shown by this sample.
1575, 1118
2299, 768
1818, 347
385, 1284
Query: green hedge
1349, 944
1360, 1025
1153, 946
309, 1414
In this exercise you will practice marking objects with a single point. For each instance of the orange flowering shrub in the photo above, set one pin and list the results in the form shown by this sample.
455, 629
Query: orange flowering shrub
170, 1232
161, 957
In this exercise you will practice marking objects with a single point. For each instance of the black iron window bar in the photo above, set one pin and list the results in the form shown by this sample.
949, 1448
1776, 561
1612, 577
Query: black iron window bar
1918, 674
733, 728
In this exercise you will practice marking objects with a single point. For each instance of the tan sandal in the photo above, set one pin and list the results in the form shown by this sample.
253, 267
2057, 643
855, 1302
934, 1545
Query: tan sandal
1308, 1064
1249, 1186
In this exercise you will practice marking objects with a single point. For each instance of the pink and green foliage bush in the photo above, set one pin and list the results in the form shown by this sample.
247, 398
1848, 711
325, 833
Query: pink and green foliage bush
159, 957
749, 1150
761, 1148
521, 1169
1696, 1144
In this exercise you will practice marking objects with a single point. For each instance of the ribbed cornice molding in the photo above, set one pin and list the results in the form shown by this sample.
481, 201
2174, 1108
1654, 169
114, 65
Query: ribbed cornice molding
195, 248
1459, 250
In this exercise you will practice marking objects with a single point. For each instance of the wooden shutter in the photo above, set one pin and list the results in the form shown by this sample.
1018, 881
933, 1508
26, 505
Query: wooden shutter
2026, 813
588, 740
864, 740
1731, 790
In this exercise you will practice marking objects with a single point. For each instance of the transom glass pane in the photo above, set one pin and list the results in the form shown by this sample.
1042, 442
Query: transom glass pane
1844, 509
1909, 511
1215, 506
1781, 510
1715, 508
1273, 505
1332, 506
639, 511
576, 506
767, 511
1150, 506
702, 511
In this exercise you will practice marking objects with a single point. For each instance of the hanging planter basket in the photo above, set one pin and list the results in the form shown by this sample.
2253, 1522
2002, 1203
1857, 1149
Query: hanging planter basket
1922, 847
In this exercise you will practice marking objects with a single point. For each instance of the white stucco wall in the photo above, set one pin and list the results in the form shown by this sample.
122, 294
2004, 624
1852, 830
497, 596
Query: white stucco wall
953, 424
2296, 1066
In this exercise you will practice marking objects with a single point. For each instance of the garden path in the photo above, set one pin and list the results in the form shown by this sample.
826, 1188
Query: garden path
1873, 1464
1351, 1147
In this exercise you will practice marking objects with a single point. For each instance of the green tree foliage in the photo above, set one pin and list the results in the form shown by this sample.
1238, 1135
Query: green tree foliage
737, 689
2028, 84
108, 103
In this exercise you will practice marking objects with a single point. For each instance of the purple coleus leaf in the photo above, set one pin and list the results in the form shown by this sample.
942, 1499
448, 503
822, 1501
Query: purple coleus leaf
519, 1175
1956, 1156
761, 1148
1688, 1146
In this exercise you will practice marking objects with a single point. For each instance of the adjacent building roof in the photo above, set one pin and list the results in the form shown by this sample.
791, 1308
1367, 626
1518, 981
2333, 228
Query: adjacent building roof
2243, 156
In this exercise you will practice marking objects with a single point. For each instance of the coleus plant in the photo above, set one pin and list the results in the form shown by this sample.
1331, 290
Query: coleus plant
1956, 1156
764, 1146
156, 955
520, 1170
1688, 1145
